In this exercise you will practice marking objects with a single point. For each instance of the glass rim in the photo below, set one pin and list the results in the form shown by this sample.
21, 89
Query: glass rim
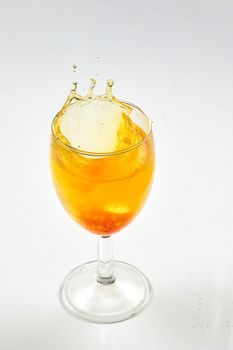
104, 154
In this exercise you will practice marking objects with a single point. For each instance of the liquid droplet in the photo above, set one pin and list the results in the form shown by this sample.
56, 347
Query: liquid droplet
110, 83
74, 68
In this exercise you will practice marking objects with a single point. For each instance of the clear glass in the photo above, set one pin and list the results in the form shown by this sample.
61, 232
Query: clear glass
103, 192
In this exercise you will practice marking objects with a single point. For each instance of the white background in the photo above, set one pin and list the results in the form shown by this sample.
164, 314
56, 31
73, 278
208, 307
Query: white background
173, 59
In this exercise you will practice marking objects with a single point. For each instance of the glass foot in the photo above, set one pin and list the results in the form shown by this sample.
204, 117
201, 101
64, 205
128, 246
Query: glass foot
84, 297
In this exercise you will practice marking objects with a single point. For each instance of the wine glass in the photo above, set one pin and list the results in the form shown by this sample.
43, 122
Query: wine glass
103, 192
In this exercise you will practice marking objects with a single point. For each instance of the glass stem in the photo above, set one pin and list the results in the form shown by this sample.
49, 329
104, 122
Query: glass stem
105, 260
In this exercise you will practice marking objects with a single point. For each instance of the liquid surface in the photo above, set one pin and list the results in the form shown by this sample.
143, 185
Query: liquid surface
98, 125
102, 193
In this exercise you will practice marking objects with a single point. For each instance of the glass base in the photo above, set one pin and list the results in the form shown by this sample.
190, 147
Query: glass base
84, 297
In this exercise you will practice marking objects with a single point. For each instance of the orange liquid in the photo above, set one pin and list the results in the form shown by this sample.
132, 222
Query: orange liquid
103, 194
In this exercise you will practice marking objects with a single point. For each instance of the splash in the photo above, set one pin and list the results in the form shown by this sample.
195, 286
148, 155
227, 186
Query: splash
96, 123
